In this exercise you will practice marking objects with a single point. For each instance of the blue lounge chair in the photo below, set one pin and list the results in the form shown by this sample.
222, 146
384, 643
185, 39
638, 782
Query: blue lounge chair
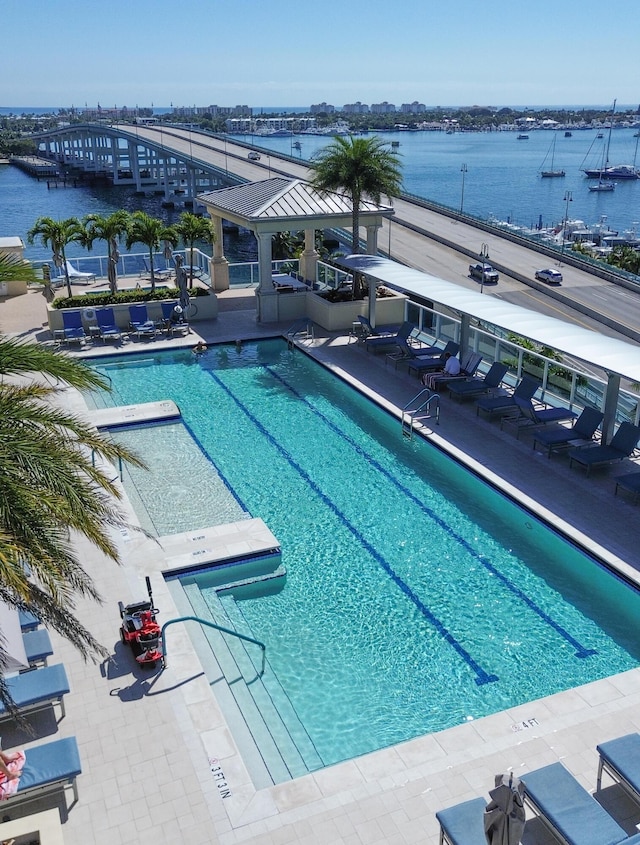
476, 386
571, 813
386, 343
172, 323
505, 404
629, 482
620, 759
28, 621
468, 366
107, 324
530, 417
37, 690
158, 273
623, 443
584, 428
73, 328
140, 323
37, 646
463, 824
49, 767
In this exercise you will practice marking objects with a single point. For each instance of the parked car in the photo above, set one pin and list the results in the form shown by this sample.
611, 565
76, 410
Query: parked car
489, 276
254, 156
551, 277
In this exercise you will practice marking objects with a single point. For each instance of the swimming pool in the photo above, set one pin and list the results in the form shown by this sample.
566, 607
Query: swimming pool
416, 598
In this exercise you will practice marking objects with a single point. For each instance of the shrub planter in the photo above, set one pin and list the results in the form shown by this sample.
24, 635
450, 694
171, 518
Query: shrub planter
207, 310
339, 316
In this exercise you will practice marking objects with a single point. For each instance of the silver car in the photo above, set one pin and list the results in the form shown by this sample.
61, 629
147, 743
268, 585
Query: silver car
551, 277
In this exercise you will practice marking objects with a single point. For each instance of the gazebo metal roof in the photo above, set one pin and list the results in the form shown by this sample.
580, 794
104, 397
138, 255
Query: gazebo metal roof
281, 204
610, 354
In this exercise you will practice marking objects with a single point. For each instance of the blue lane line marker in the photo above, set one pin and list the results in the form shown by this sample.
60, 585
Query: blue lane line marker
482, 677
580, 650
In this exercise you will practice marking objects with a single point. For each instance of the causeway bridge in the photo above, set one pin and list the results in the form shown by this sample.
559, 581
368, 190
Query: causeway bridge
181, 163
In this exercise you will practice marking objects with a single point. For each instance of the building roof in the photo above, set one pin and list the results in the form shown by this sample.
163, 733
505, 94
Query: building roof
280, 204
609, 354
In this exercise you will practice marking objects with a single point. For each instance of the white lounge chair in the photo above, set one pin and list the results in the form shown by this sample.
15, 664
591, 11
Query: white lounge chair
78, 278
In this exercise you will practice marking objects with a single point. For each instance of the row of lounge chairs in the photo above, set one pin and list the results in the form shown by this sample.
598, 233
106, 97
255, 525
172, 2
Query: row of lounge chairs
571, 813
49, 766
106, 328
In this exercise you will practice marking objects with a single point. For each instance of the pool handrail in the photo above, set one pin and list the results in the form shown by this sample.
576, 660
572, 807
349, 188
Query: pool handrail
218, 628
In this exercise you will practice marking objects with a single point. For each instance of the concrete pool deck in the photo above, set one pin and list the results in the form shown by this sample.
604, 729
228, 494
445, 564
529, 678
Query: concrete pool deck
159, 762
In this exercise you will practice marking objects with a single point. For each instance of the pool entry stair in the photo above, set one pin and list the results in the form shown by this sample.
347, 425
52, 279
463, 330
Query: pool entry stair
272, 740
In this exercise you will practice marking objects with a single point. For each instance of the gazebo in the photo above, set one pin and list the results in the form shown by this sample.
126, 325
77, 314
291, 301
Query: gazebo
277, 205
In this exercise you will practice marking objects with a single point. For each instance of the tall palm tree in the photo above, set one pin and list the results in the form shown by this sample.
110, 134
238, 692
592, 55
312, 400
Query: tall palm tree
111, 229
51, 485
192, 228
360, 168
57, 234
147, 230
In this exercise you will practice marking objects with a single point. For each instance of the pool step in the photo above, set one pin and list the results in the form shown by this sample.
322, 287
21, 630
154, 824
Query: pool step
270, 752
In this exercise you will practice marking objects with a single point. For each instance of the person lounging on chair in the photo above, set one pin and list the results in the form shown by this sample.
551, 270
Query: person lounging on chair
173, 321
622, 444
47, 768
431, 359
435, 381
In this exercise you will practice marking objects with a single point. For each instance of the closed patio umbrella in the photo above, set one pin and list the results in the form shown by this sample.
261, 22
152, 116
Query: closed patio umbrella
181, 283
15, 657
504, 815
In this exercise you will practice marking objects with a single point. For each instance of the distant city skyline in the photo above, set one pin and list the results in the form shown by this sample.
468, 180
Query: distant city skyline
205, 51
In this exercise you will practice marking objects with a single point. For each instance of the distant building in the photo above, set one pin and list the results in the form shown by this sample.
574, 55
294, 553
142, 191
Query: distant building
356, 108
383, 108
413, 108
211, 111
322, 108
269, 125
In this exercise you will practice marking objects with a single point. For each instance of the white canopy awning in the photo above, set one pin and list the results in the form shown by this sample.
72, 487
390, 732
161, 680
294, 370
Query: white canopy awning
617, 357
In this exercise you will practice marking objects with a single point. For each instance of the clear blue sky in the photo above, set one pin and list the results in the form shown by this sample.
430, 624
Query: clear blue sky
298, 52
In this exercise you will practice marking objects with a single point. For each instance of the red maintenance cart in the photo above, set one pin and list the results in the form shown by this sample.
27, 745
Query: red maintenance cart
140, 629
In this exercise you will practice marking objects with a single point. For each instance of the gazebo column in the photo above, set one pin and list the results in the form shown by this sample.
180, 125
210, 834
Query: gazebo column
372, 239
610, 406
309, 258
218, 266
266, 295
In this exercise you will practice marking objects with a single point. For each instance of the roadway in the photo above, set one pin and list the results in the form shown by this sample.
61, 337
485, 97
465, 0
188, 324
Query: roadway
435, 243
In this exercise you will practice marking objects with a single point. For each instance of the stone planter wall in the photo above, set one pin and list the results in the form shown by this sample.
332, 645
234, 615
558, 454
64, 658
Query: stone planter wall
207, 310
339, 316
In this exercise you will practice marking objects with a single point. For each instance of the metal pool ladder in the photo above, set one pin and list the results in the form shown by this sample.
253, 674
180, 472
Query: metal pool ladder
303, 330
424, 406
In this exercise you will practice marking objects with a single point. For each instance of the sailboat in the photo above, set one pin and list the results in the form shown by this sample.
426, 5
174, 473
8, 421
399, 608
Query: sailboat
603, 186
546, 174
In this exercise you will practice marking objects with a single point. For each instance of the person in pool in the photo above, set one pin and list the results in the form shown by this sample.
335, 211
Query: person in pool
199, 348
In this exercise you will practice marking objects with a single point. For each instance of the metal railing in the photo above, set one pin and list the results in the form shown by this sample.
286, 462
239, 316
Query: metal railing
427, 402
217, 628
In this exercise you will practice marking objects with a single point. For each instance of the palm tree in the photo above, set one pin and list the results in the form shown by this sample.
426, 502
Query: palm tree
192, 228
110, 229
147, 230
51, 485
57, 234
361, 168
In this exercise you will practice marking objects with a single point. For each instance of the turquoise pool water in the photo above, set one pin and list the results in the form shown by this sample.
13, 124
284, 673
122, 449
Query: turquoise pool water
417, 597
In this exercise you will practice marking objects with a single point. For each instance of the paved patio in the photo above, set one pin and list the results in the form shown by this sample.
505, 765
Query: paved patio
159, 762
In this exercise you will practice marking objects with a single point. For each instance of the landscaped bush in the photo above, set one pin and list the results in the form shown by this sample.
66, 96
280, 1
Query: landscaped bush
97, 300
